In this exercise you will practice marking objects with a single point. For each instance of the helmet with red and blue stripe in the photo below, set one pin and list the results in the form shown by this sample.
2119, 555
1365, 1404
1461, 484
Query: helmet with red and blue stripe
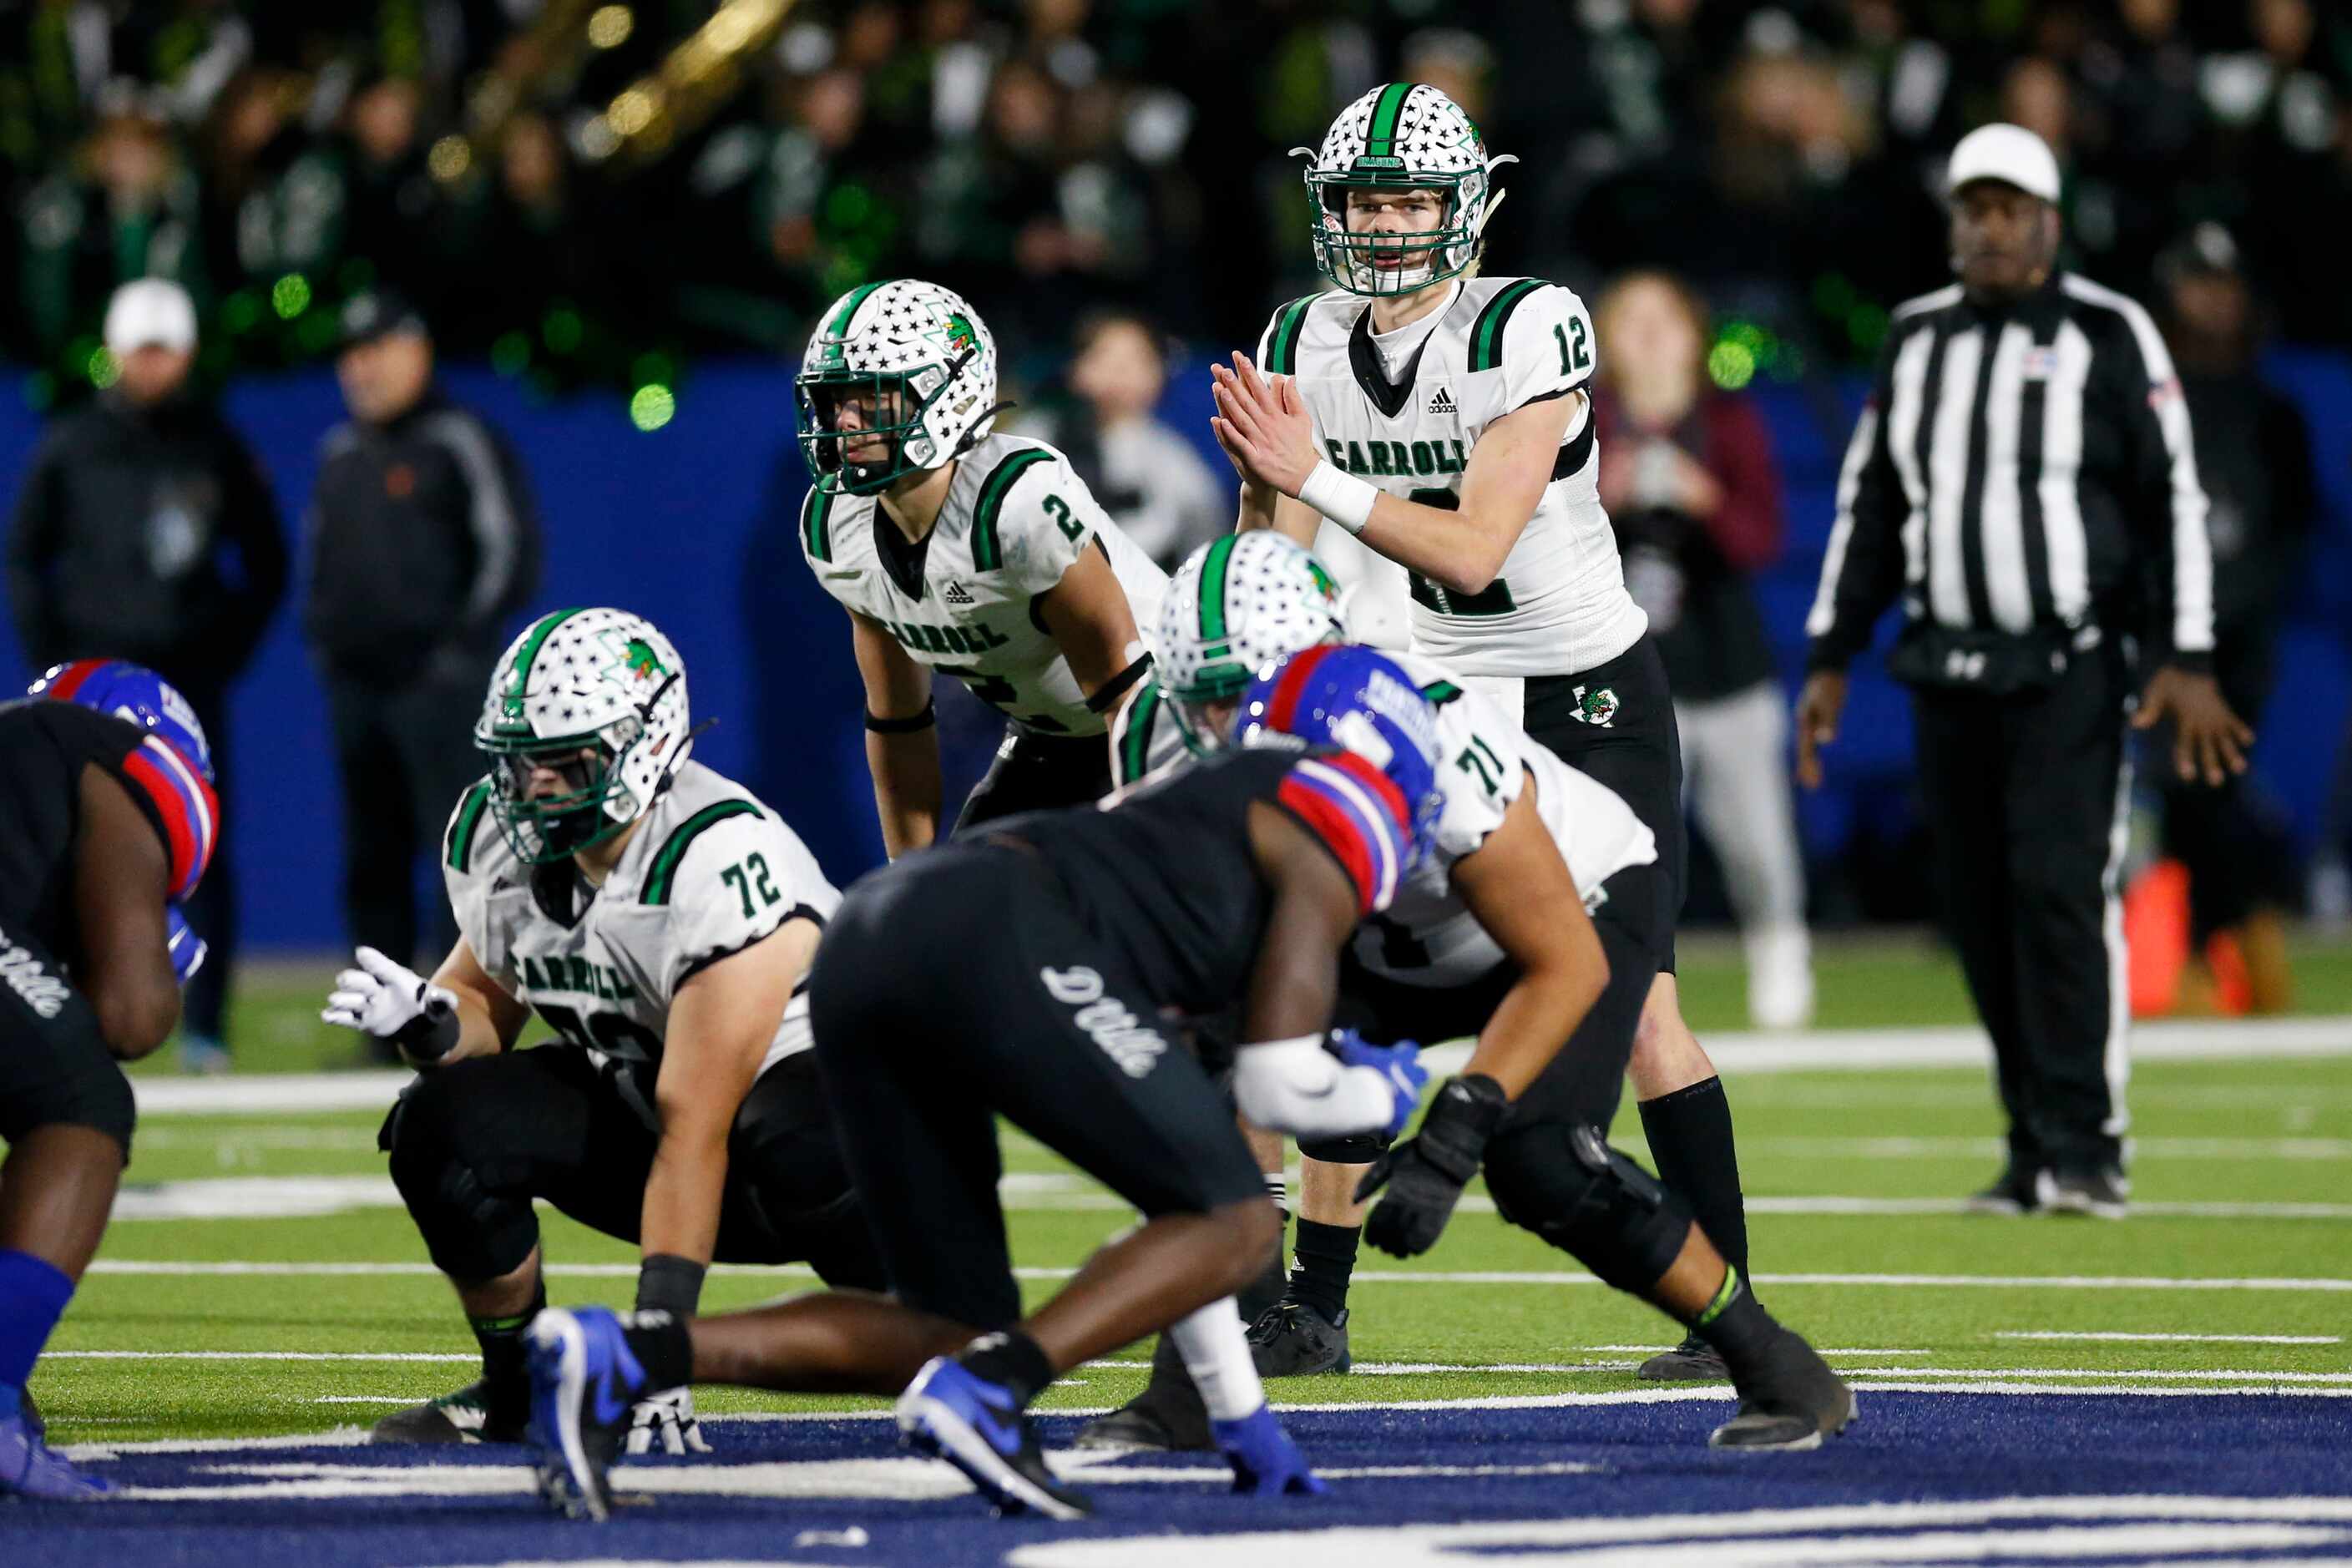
1369, 782
173, 766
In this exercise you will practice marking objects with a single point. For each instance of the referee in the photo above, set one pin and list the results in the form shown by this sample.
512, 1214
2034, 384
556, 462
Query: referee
2023, 477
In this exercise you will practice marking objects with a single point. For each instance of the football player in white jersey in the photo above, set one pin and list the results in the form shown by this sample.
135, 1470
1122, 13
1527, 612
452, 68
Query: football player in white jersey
961, 553
1476, 943
1236, 606
661, 922
1444, 419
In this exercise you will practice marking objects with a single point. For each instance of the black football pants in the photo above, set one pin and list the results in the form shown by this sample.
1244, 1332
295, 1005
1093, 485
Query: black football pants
2025, 796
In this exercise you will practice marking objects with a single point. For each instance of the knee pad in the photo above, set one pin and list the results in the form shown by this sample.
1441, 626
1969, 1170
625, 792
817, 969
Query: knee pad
1357, 1149
1568, 1186
435, 1137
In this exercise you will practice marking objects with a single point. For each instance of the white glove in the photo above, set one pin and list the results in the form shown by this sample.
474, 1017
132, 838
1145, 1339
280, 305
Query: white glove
393, 1002
665, 1423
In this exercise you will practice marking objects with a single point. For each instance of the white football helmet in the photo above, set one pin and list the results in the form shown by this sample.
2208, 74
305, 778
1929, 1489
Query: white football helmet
1404, 136
598, 698
923, 365
1235, 606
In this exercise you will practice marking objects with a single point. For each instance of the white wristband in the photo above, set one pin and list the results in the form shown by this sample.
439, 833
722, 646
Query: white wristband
1343, 497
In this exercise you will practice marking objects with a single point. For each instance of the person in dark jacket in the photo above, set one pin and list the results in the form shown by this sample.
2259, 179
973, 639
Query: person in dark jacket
421, 545
146, 532
2254, 458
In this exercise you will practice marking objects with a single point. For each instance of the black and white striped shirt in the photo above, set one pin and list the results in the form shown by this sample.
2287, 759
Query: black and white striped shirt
2024, 471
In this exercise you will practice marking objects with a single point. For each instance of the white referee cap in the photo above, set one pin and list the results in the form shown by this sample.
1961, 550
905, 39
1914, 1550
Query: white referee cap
151, 312
2009, 153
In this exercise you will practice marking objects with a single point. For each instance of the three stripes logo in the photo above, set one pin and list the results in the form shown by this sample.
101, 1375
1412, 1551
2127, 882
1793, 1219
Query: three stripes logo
957, 594
1441, 400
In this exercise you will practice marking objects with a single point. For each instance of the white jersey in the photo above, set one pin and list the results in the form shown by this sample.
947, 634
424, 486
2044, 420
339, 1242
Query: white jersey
708, 872
1497, 344
1428, 936
964, 601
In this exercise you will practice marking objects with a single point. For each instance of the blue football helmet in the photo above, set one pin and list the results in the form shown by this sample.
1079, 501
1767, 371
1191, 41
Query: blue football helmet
1356, 700
132, 692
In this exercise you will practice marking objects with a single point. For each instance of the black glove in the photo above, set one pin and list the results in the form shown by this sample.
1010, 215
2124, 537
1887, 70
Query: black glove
1426, 1174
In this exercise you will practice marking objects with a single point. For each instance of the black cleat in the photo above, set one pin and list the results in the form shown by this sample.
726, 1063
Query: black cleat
1291, 1338
460, 1417
2101, 1192
2014, 1192
1168, 1417
1790, 1403
1693, 1361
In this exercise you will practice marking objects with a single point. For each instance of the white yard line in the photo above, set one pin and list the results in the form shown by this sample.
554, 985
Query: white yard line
1737, 1053
2170, 1338
1367, 1277
1946, 1148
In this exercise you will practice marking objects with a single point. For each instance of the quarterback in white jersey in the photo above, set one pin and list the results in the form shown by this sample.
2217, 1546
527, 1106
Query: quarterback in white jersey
1444, 420
961, 553
661, 922
1482, 940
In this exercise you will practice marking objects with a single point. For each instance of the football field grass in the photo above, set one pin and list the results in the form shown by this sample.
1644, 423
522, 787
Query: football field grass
261, 1279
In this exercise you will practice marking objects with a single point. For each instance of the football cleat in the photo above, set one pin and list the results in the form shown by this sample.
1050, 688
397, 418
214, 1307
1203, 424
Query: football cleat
2017, 1190
29, 1469
584, 1382
950, 1413
1167, 1417
460, 1417
1693, 1361
1291, 1338
2102, 1192
1792, 1402
1265, 1462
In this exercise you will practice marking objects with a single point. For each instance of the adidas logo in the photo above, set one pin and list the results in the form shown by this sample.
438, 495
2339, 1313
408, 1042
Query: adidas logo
957, 594
1442, 400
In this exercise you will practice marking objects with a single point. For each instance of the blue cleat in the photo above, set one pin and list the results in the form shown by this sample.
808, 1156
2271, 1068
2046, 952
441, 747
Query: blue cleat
951, 1414
27, 1468
1265, 1462
583, 1381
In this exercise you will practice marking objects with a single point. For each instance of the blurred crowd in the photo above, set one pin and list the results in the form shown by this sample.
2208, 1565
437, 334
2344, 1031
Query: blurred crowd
1050, 156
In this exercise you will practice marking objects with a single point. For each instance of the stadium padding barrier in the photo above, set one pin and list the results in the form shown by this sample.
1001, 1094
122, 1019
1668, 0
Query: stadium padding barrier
692, 525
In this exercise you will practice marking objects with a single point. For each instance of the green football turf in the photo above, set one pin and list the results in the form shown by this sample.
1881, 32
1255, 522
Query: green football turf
2270, 1132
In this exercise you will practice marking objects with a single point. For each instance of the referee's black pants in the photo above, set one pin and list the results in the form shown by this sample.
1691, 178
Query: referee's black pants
2026, 794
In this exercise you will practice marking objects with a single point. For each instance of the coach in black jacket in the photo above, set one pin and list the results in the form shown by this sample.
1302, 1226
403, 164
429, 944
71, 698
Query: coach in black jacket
2024, 477
421, 544
145, 531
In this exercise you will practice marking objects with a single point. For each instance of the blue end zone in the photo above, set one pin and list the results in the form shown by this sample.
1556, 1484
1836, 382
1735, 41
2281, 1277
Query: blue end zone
2056, 1477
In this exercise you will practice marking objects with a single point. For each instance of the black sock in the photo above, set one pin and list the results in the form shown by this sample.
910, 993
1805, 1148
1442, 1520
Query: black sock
1691, 1145
1326, 1258
1735, 1324
662, 1346
506, 1379
1012, 1359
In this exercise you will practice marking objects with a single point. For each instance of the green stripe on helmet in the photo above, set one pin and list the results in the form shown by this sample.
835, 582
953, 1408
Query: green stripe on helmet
987, 549
1282, 346
1380, 140
816, 522
674, 847
1486, 333
839, 326
469, 819
1212, 588
533, 643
